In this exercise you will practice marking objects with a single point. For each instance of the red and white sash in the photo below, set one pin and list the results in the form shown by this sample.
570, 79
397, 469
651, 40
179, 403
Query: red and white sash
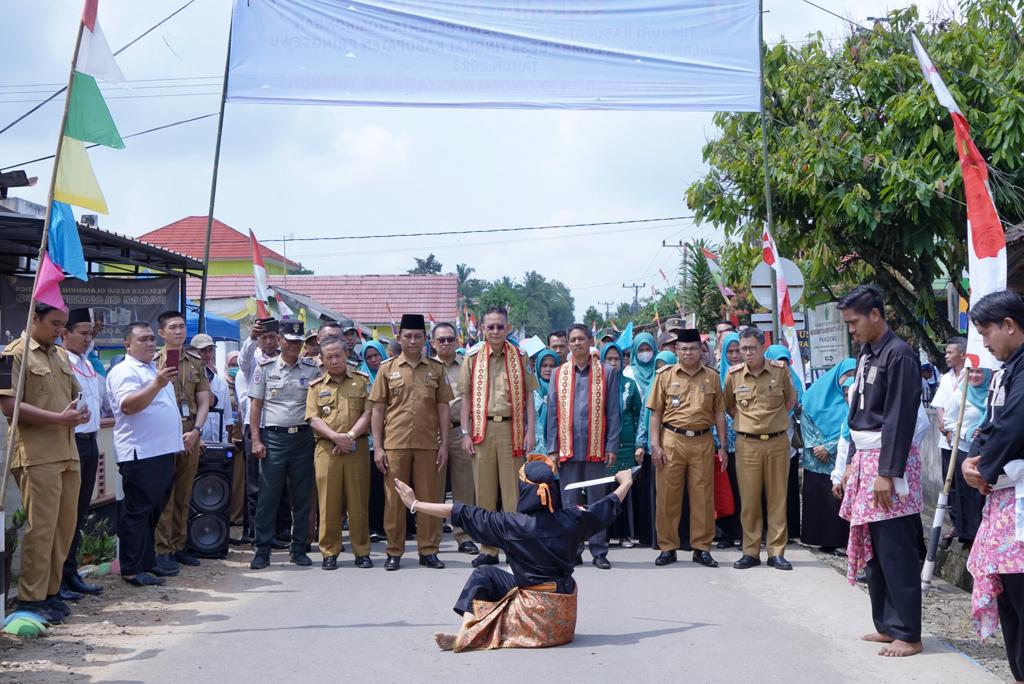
517, 394
565, 383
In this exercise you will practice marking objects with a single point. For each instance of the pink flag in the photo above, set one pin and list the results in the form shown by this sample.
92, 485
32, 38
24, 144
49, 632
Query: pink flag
259, 272
48, 285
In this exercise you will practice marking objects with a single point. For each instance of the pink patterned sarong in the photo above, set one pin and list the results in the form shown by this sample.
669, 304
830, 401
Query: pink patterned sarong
996, 552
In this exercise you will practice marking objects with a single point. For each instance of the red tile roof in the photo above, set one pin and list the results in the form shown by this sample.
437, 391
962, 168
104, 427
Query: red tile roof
188, 236
362, 297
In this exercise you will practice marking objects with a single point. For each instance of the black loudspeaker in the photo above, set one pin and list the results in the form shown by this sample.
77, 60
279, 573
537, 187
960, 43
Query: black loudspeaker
209, 520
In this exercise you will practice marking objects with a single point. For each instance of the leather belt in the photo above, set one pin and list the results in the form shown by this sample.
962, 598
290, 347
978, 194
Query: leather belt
763, 438
548, 587
684, 432
289, 430
499, 419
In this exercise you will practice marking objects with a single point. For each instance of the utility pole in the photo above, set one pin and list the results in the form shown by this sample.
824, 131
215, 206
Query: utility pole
636, 294
607, 309
684, 250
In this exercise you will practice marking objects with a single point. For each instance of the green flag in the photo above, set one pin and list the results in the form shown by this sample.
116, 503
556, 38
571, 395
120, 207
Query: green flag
89, 119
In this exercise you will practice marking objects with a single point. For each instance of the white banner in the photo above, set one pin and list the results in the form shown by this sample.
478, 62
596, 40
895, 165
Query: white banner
695, 55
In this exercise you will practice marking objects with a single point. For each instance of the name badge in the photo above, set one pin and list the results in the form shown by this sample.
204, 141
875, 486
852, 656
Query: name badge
1000, 397
185, 413
303, 382
325, 393
872, 375
395, 376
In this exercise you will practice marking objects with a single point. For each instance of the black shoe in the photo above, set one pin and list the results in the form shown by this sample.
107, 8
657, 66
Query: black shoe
329, 563
601, 562
579, 559
432, 561
165, 567
446, 528
725, 543
779, 563
66, 594
144, 579
469, 547
363, 562
393, 563
376, 537
40, 608
705, 559
862, 578
259, 561
76, 583
484, 559
685, 546
665, 557
279, 545
186, 559
745, 562
57, 604
300, 558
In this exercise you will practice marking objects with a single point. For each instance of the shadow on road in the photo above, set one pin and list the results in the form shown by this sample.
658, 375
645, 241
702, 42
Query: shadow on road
591, 640
357, 625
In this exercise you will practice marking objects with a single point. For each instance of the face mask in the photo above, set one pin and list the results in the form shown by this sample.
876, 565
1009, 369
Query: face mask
644, 356
233, 371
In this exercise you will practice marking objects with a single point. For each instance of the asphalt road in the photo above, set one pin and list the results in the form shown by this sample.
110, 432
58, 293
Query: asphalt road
636, 622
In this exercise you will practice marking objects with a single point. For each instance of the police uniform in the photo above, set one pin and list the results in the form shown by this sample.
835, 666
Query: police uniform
460, 464
762, 449
289, 443
45, 465
172, 529
495, 468
410, 395
689, 404
342, 480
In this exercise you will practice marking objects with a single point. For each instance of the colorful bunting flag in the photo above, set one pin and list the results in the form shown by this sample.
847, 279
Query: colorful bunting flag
259, 272
89, 119
76, 182
96, 59
48, 284
717, 274
63, 244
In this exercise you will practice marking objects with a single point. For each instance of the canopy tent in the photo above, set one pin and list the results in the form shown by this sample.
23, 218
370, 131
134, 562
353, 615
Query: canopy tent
216, 327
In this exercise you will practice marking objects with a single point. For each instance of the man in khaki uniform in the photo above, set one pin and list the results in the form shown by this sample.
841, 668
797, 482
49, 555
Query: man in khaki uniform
192, 391
410, 436
493, 425
45, 462
460, 463
338, 410
759, 396
685, 403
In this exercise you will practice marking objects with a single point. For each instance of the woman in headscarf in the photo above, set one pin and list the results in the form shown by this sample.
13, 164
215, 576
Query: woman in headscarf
777, 352
372, 354
624, 528
965, 500
823, 420
545, 364
642, 364
730, 529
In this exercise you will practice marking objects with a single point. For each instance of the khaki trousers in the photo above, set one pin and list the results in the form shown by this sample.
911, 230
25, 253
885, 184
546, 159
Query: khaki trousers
49, 497
496, 472
763, 465
690, 464
343, 487
460, 465
422, 465
172, 529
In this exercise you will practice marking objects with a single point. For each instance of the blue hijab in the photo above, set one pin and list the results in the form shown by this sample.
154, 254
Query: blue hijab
542, 384
668, 357
381, 349
723, 363
825, 401
616, 347
978, 396
643, 373
777, 352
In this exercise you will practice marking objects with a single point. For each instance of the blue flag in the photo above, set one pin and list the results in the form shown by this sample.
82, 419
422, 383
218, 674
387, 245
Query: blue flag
625, 340
64, 246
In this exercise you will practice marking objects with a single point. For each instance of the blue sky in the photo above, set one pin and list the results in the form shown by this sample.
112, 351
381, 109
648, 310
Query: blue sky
315, 171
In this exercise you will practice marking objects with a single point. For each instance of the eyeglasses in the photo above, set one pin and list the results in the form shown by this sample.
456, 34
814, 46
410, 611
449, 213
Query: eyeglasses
444, 340
749, 350
498, 327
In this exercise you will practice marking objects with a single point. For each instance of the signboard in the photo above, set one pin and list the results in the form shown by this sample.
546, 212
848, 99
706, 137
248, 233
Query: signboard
761, 283
829, 336
115, 301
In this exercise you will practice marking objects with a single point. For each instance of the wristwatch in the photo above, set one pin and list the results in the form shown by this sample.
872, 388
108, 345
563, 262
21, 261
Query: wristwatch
350, 435
465, 433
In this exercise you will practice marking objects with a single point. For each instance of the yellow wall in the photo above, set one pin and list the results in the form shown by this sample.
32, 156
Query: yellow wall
243, 267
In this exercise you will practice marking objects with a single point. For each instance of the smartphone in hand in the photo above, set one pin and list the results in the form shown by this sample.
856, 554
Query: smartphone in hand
172, 358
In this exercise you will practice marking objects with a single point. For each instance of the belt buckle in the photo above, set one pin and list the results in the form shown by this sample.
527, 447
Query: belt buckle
763, 438
292, 430
497, 419
690, 433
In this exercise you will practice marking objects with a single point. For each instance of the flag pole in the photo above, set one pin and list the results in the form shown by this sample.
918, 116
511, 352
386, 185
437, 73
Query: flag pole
201, 323
19, 388
767, 184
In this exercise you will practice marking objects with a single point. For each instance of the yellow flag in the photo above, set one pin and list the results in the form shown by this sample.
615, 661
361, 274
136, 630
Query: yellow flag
76, 183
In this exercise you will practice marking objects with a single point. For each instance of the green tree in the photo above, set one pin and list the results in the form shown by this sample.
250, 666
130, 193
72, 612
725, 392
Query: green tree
426, 266
593, 316
701, 295
865, 179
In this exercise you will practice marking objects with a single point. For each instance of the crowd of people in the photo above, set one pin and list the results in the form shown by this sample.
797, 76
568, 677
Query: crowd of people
730, 446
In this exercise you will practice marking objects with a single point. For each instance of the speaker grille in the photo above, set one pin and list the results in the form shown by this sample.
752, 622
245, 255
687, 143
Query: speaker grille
211, 492
208, 533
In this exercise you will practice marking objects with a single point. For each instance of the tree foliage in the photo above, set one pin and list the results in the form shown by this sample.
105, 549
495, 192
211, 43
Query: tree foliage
427, 266
534, 302
701, 295
865, 178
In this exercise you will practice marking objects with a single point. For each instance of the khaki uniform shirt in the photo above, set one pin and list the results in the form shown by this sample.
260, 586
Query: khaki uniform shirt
338, 402
190, 380
453, 371
283, 389
498, 394
687, 401
760, 400
410, 395
50, 385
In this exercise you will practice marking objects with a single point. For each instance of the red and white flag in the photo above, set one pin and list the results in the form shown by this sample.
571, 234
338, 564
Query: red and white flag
787, 324
986, 241
283, 309
716, 273
259, 274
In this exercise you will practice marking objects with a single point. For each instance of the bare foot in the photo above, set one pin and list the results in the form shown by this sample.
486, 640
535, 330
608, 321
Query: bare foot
445, 642
878, 637
901, 649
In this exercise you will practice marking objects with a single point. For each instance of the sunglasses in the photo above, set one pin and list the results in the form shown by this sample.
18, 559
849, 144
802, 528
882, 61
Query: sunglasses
496, 328
444, 340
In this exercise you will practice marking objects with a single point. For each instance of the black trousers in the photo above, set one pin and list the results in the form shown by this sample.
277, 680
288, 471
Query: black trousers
965, 499
147, 486
793, 498
894, 581
486, 583
252, 493
1011, 618
954, 502
730, 527
377, 499
89, 457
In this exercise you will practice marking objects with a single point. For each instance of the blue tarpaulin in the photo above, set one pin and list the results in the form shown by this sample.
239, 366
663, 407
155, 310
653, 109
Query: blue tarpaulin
216, 327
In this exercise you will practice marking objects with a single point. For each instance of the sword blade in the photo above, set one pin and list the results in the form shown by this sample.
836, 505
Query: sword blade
598, 481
